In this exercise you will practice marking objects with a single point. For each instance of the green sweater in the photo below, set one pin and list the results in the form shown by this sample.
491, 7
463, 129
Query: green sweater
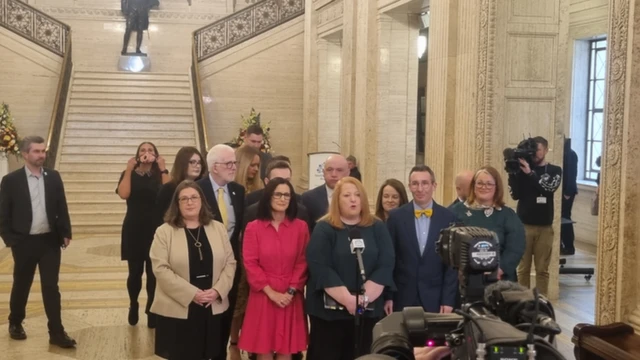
507, 225
332, 264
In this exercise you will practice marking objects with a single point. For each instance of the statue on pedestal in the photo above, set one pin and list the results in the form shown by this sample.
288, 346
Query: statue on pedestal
137, 15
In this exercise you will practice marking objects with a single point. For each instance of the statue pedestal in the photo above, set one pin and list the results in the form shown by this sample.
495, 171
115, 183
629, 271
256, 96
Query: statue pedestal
134, 62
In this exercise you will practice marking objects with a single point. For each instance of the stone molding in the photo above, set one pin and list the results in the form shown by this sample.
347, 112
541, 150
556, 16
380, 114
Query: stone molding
486, 66
609, 282
113, 14
330, 12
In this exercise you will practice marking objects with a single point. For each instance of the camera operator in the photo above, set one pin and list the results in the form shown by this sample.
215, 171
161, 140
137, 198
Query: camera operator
533, 186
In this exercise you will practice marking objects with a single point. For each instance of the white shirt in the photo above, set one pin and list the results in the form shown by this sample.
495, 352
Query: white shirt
329, 193
39, 220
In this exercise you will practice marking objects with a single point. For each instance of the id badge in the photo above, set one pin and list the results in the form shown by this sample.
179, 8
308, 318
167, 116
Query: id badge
541, 200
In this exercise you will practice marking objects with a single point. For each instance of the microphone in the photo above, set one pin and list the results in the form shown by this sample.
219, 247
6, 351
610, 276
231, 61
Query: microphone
355, 241
508, 153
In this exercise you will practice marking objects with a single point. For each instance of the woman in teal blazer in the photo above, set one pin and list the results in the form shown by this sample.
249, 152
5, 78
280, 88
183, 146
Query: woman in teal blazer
485, 208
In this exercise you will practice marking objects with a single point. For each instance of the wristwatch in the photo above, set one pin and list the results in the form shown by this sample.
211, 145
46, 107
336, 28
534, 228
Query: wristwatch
165, 171
291, 291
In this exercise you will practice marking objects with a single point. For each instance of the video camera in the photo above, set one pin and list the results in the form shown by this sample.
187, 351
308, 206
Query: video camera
499, 320
526, 150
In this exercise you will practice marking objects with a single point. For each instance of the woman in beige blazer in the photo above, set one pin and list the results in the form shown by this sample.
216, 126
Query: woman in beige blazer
194, 266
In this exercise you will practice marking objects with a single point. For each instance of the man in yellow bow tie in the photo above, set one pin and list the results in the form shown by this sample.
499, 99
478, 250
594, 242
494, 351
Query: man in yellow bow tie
420, 276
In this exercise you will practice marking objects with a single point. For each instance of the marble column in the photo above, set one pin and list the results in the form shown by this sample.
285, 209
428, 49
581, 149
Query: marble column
310, 91
330, 69
618, 284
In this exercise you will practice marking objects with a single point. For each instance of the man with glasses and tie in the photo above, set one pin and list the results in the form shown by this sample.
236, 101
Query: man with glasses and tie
226, 200
420, 276
34, 223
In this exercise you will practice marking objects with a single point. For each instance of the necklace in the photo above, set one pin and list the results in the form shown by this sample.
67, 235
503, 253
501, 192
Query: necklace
197, 243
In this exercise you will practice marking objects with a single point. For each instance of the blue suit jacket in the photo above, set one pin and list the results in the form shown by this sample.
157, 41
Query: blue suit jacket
422, 280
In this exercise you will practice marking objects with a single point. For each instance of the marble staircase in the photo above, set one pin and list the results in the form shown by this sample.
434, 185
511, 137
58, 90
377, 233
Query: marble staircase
108, 115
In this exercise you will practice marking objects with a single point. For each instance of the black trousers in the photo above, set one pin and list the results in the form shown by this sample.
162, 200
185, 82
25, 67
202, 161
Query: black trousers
134, 281
567, 236
336, 340
44, 252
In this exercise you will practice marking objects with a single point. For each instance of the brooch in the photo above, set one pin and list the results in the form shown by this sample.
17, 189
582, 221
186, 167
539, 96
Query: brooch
488, 211
468, 213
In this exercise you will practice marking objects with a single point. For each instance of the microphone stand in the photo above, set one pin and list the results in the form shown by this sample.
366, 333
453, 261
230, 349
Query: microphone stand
360, 275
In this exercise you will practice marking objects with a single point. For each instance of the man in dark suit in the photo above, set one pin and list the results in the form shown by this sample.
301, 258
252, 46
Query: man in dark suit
463, 182
226, 200
420, 276
352, 162
317, 200
34, 223
569, 192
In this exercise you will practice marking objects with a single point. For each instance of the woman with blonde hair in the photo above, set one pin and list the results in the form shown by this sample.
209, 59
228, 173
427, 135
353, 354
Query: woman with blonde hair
485, 208
194, 266
331, 301
248, 169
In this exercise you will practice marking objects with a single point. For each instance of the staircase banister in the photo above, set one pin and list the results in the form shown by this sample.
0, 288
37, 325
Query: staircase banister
27, 29
57, 113
203, 134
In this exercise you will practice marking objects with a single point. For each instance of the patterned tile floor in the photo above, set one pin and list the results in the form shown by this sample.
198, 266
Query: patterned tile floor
94, 303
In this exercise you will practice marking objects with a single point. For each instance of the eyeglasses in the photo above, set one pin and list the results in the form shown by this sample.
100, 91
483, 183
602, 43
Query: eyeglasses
485, 185
228, 164
186, 200
195, 162
279, 195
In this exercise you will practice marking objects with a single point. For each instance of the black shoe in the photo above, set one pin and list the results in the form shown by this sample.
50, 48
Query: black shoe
16, 331
152, 320
61, 339
567, 252
133, 315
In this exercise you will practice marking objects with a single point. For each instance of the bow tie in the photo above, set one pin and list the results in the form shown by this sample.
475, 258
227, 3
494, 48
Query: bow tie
425, 212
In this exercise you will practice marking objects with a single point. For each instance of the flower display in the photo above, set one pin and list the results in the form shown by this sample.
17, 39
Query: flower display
9, 141
253, 118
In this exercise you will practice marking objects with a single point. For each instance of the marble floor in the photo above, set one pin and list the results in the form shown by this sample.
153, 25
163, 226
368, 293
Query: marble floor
95, 302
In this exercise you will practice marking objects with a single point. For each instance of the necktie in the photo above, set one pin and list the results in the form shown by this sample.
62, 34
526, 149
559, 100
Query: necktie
222, 206
425, 212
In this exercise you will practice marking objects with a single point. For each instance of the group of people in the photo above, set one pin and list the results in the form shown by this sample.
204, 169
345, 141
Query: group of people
235, 260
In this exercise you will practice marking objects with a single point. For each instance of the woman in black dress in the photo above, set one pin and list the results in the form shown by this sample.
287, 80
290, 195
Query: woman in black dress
188, 165
139, 185
194, 264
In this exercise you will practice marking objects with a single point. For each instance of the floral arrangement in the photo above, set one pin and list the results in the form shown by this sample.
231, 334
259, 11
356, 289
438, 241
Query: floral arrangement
8, 134
253, 118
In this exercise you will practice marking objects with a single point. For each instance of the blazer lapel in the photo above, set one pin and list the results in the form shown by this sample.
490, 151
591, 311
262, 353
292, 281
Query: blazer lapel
236, 201
211, 198
410, 228
23, 185
49, 193
324, 198
434, 229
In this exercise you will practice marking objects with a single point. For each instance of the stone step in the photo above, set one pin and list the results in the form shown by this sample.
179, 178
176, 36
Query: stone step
92, 174
130, 111
121, 134
97, 216
129, 126
75, 88
134, 83
115, 150
98, 185
152, 103
81, 229
111, 205
90, 95
161, 119
84, 164
127, 142
130, 76
92, 195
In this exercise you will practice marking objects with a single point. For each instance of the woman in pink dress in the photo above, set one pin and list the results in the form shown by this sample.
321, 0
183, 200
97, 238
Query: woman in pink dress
274, 258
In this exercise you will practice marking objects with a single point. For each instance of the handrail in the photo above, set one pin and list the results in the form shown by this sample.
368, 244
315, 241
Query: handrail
203, 136
243, 25
34, 25
59, 105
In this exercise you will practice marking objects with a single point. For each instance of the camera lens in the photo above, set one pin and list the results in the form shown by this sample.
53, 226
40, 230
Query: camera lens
393, 345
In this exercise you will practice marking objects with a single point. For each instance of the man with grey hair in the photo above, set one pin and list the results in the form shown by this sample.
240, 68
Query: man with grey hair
35, 224
463, 182
226, 200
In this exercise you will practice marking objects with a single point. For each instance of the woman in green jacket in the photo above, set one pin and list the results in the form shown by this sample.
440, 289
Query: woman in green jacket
485, 208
